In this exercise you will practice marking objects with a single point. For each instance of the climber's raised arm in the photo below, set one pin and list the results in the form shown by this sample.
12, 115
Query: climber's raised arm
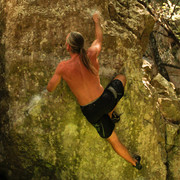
96, 45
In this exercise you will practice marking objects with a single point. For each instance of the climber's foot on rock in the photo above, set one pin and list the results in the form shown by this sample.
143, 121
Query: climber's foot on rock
115, 117
138, 164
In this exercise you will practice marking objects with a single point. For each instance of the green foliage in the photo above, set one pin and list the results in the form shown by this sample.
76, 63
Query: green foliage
167, 13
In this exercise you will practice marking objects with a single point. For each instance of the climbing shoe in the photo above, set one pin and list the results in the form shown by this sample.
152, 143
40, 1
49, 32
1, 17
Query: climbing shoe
138, 164
115, 117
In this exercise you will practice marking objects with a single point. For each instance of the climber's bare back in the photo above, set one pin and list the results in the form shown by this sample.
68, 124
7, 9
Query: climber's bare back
83, 83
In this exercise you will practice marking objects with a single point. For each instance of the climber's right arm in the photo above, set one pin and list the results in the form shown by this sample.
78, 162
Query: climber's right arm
97, 44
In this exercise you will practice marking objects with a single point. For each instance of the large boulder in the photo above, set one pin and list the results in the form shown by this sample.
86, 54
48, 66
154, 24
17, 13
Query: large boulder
46, 136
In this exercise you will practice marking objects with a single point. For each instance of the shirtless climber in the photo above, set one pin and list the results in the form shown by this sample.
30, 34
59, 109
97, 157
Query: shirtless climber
97, 104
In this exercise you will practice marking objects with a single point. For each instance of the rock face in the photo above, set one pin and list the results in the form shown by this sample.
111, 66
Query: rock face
169, 54
45, 136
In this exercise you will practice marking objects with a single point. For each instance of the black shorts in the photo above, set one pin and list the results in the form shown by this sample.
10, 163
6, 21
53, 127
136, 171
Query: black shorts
97, 112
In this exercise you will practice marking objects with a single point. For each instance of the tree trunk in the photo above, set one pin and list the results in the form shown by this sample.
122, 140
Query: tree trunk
158, 61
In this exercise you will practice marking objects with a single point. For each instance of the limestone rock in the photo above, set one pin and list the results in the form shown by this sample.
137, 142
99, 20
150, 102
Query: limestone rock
170, 109
47, 137
171, 135
163, 86
149, 69
175, 76
174, 159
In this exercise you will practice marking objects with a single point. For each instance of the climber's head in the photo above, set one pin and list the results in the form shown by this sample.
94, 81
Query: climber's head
74, 42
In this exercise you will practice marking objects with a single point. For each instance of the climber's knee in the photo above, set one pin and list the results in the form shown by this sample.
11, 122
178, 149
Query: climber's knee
122, 78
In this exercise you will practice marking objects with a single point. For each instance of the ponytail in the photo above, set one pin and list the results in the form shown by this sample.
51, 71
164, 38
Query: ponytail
85, 60
76, 41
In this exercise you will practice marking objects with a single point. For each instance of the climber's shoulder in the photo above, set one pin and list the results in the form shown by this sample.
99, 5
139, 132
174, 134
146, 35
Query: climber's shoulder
61, 67
95, 48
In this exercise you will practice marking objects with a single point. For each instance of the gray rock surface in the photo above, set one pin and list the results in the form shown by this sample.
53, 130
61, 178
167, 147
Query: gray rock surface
45, 136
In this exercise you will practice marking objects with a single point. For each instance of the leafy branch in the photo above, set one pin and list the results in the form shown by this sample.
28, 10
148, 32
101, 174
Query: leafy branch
174, 8
163, 15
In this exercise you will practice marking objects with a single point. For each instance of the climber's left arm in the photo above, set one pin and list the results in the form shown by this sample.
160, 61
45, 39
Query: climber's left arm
55, 80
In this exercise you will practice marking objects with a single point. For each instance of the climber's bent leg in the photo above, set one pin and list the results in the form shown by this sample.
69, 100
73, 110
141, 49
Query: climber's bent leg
122, 79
